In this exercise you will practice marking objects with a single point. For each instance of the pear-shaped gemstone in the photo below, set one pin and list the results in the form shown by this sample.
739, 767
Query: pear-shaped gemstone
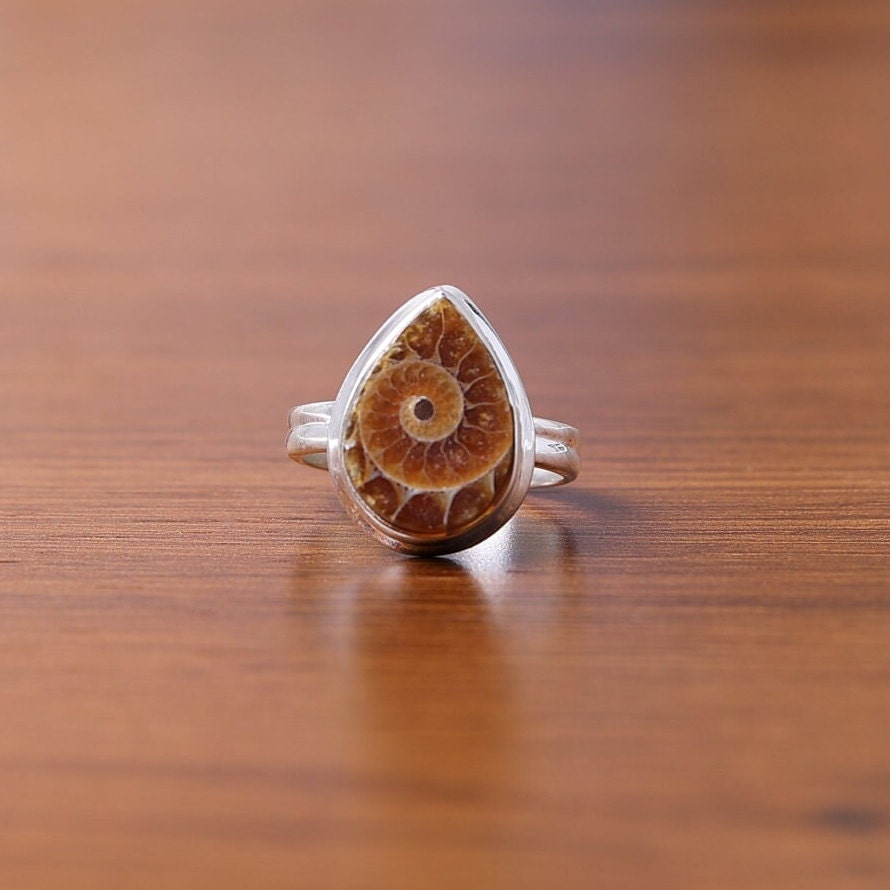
428, 445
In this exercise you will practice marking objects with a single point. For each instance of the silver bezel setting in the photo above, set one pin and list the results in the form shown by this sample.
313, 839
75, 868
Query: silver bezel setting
523, 429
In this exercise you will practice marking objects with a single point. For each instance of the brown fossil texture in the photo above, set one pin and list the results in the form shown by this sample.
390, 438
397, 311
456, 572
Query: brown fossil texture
429, 444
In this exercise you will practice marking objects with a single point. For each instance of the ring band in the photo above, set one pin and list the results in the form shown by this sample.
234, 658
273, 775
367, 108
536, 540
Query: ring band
556, 444
431, 443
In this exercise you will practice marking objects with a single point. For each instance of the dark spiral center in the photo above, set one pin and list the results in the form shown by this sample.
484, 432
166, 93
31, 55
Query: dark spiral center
424, 409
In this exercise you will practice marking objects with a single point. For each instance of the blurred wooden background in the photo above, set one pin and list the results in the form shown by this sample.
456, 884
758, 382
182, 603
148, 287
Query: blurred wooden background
675, 674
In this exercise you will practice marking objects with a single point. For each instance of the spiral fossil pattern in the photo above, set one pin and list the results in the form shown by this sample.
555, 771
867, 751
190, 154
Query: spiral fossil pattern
429, 446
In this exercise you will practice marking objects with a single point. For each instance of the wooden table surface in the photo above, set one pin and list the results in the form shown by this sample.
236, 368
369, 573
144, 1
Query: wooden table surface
673, 674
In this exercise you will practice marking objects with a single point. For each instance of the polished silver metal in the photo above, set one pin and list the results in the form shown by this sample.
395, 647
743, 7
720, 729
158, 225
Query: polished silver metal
556, 444
546, 451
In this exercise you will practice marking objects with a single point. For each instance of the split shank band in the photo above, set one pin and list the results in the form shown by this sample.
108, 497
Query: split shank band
556, 444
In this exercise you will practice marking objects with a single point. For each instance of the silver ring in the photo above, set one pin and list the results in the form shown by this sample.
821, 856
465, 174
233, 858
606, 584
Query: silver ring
431, 442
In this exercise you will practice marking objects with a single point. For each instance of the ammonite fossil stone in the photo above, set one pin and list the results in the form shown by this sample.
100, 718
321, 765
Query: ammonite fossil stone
429, 445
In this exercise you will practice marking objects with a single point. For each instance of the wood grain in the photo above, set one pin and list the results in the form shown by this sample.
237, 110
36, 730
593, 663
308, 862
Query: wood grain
675, 673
